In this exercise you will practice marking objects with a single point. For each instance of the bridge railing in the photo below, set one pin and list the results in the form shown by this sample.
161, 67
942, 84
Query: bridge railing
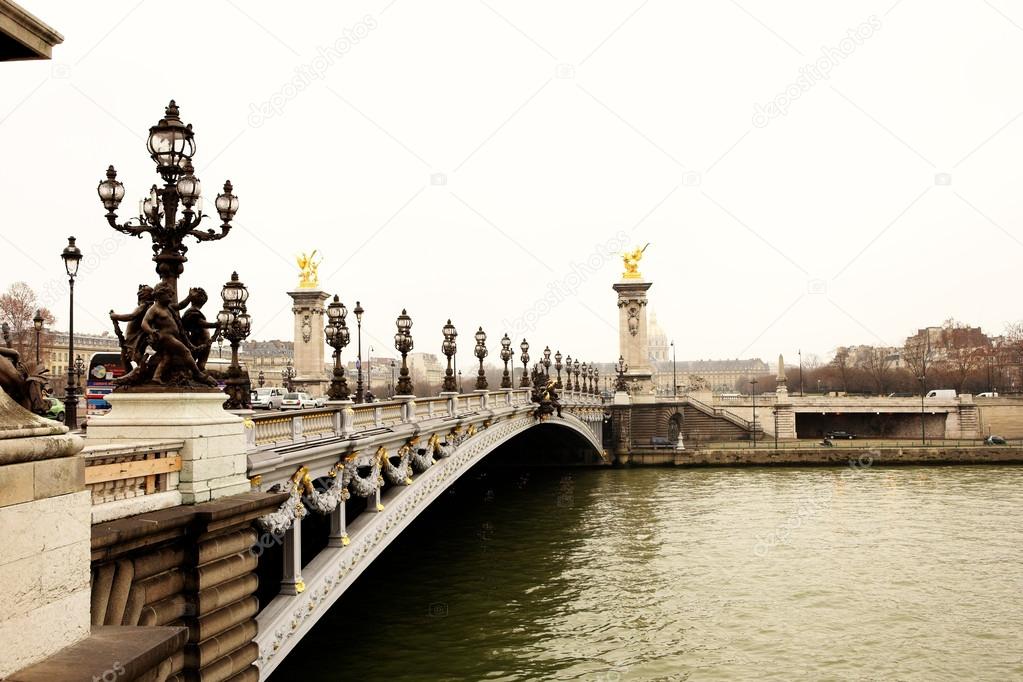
131, 479
277, 428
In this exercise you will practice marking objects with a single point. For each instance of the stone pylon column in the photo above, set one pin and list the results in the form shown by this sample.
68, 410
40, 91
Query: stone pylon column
632, 333
784, 414
310, 375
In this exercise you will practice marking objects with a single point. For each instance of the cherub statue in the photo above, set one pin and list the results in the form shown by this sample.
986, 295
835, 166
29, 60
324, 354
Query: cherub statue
631, 260
308, 277
174, 361
196, 326
133, 341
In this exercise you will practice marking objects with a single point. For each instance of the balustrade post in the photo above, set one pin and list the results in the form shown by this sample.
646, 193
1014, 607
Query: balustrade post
296, 428
378, 416
338, 528
408, 410
484, 395
452, 402
346, 415
291, 582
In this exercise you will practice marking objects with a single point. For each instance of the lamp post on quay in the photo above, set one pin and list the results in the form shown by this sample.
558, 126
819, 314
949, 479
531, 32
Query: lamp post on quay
261, 379
337, 336
359, 392
403, 344
753, 425
72, 256
506, 356
481, 353
524, 359
37, 324
287, 373
449, 347
235, 324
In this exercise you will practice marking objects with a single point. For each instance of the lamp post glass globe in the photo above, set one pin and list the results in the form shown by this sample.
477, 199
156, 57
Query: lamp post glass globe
481, 353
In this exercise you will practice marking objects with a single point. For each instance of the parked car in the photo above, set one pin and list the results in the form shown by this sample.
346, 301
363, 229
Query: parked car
988, 394
297, 401
900, 395
56, 411
994, 440
268, 398
839, 435
942, 393
320, 401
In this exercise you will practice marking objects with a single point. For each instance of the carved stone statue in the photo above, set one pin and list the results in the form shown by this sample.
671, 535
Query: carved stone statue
308, 277
197, 329
631, 261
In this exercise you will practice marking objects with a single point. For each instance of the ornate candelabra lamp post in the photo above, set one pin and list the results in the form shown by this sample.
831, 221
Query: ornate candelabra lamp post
79, 371
338, 336
620, 369
524, 359
171, 145
546, 362
568, 373
234, 324
449, 347
72, 256
585, 385
557, 367
578, 384
261, 379
506, 355
359, 393
596, 380
287, 374
37, 324
403, 344
481, 352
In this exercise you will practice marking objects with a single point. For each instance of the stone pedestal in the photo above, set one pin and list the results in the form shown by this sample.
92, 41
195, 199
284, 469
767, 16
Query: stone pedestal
632, 334
214, 461
310, 375
45, 519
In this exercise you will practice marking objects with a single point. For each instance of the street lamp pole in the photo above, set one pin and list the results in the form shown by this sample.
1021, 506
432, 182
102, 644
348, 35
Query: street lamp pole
753, 426
72, 256
800, 372
674, 375
37, 323
358, 365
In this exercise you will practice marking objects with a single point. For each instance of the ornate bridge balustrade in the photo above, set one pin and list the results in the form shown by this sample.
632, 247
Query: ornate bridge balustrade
399, 456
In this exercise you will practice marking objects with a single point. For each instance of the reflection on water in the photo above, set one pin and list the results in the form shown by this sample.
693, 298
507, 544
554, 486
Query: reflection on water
671, 574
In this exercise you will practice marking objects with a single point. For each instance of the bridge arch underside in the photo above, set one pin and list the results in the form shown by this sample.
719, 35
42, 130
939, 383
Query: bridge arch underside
328, 570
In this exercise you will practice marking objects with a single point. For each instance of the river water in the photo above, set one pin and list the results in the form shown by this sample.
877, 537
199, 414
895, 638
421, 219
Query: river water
858, 573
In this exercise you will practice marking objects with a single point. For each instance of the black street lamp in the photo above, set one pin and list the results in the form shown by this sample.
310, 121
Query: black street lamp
459, 379
337, 336
72, 256
359, 392
287, 374
586, 378
171, 145
578, 384
79, 370
390, 387
524, 358
674, 373
37, 324
261, 379
403, 344
621, 368
235, 324
557, 367
369, 372
481, 352
596, 380
449, 347
568, 373
506, 355
546, 362
800, 372
923, 392
753, 426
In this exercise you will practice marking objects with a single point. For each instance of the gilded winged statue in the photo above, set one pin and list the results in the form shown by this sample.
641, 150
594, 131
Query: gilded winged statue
631, 260
308, 277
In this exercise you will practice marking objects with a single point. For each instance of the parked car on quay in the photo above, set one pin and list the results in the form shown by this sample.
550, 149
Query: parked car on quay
839, 435
320, 401
297, 401
988, 394
942, 393
56, 411
267, 398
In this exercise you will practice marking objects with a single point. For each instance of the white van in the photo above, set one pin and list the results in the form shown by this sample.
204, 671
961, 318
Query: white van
942, 393
988, 394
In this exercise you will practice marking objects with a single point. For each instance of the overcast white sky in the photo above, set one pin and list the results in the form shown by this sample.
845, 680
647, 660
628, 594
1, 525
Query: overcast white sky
885, 197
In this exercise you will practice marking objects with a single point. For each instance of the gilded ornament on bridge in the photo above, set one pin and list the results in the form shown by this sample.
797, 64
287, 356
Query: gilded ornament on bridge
631, 261
308, 266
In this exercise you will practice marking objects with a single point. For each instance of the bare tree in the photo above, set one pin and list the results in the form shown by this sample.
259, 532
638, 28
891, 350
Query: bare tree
18, 306
964, 349
842, 362
877, 362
